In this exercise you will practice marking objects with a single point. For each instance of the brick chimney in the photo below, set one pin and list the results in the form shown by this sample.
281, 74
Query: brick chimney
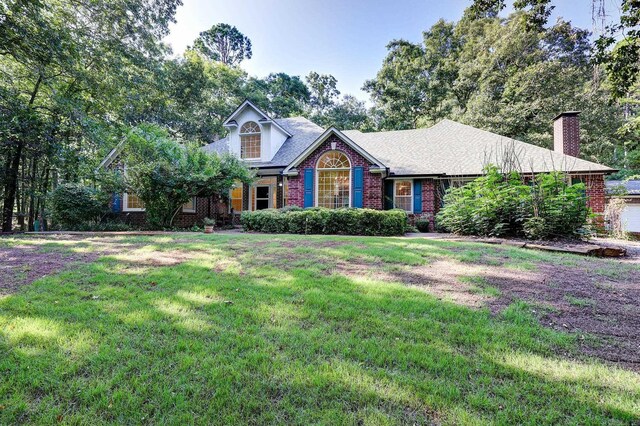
566, 133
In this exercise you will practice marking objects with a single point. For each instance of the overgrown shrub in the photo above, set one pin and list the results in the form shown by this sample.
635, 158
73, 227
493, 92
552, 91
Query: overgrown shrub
326, 221
75, 206
508, 205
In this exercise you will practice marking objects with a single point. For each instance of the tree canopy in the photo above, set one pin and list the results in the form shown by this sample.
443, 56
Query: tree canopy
225, 44
166, 174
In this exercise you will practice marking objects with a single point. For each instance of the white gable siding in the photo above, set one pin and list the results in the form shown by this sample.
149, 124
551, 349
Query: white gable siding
271, 136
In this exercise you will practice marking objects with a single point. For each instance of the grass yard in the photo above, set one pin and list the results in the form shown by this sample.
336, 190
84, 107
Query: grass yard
264, 329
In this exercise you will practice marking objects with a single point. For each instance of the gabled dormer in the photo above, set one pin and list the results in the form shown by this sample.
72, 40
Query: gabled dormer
253, 135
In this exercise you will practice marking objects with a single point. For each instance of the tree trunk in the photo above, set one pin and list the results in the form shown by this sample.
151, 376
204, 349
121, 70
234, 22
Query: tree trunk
11, 184
10, 189
32, 194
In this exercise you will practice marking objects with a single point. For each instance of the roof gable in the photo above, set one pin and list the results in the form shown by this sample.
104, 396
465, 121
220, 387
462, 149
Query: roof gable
322, 138
231, 120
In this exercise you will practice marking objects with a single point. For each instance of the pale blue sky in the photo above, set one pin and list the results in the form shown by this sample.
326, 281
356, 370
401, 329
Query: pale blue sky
346, 38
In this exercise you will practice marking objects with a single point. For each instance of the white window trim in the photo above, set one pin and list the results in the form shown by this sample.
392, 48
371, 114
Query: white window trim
125, 202
317, 177
395, 184
240, 135
193, 210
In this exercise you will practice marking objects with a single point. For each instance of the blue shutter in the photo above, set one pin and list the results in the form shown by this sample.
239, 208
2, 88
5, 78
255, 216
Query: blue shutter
388, 194
417, 196
116, 206
358, 187
308, 188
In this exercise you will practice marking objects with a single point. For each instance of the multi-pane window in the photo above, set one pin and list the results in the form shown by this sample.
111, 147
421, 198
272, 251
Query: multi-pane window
250, 141
236, 197
403, 195
132, 203
190, 206
334, 180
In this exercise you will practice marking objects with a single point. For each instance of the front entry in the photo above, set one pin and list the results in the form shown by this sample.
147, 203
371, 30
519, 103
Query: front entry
263, 197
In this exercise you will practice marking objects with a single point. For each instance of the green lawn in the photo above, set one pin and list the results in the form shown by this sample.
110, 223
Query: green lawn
262, 329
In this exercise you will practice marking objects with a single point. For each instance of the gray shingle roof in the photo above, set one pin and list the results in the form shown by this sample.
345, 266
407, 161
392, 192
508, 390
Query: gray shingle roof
632, 187
448, 148
304, 134
221, 146
456, 149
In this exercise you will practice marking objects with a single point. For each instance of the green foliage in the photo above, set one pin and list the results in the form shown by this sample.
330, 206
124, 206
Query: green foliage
324, 91
499, 205
166, 174
224, 43
619, 50
422, 225
72, 73
326, 221
74, 205
510, 76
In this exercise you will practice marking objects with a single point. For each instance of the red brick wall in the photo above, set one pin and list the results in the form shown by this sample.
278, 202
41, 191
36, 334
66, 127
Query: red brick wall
595, 191
204, 207
566, 135
430, 200
372, 197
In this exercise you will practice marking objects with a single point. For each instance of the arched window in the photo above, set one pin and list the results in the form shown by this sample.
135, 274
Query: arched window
334, 180
250, 141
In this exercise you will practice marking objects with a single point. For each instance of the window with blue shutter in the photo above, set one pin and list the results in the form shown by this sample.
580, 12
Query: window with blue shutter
308, 188
358, 187
417, 196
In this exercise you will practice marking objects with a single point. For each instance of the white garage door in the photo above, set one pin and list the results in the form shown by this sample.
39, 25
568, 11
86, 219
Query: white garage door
631, 217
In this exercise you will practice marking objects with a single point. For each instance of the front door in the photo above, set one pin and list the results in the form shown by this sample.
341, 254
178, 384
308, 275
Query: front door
263, 197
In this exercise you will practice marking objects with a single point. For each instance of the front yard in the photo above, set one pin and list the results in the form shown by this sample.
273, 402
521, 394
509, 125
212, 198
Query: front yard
265, 329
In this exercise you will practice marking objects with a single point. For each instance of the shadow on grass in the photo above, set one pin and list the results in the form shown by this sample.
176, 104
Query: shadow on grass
227, 338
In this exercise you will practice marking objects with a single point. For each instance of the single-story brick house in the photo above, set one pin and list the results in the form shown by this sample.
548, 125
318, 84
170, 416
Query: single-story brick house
301, 164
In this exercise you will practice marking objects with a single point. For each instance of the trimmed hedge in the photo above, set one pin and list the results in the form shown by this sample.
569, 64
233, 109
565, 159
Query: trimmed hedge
317, 220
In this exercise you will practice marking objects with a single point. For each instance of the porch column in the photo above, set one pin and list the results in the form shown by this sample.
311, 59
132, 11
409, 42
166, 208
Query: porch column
279, 192
245, 196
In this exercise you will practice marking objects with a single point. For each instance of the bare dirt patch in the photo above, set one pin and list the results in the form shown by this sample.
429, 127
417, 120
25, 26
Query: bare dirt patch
23, 265
600, 305
581, 301
36, 258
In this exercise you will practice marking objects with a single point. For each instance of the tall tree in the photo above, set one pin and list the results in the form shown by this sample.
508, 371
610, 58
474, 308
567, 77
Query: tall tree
510, 76
224, 43
286, 95
67, 68
346, 114
324, 91
415, 79
619, 49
